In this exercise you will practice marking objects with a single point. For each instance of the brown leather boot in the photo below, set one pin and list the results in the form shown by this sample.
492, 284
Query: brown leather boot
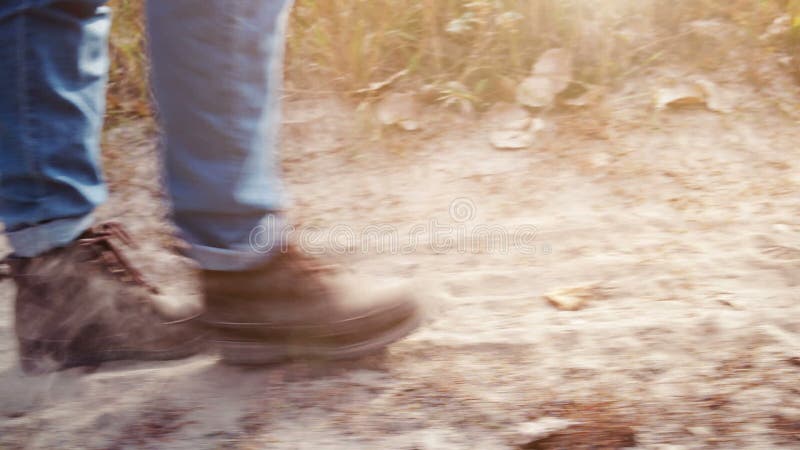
85, 304
291, 308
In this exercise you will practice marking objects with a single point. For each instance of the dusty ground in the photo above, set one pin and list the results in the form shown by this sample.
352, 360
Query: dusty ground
685, 223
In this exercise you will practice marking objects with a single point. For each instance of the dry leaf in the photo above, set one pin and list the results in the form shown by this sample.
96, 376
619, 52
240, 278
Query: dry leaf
551, 74
680, 94
397, 109
511, 139
781, 26
574, 298
506, 116
512, 127
556, 65
530, 432
409, 125
536, 92
695, 92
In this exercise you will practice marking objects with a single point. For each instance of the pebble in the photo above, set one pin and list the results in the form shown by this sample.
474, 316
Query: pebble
539, 429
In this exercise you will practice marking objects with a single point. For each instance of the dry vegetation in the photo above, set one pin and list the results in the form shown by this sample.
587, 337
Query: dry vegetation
657, 307
127, 92
479, 50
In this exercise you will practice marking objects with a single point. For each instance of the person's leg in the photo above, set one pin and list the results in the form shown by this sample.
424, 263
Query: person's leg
217, 75
53, 71
78, 300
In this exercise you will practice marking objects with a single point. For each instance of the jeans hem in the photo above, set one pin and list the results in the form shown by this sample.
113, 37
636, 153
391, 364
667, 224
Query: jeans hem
210, 258
263, 241
35, 240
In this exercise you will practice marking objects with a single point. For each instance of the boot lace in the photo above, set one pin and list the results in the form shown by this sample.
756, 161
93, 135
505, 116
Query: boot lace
101, 239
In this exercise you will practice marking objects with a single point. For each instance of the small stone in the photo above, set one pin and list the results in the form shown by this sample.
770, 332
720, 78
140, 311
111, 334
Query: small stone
530, 432
576, 297
510, 140
409, 125
700, 431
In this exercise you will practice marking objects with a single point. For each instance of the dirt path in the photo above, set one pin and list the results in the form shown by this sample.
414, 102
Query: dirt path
686, 225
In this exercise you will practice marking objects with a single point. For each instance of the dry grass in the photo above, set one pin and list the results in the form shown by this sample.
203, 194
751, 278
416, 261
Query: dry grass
480, 48
128, 92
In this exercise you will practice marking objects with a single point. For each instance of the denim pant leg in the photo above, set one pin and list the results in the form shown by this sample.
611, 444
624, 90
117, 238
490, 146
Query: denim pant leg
217, 74
53, 68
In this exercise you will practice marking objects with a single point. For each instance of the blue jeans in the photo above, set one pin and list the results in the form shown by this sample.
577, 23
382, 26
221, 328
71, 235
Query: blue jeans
216, 74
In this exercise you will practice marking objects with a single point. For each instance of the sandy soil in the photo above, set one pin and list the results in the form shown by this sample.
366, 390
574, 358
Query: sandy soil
685, 225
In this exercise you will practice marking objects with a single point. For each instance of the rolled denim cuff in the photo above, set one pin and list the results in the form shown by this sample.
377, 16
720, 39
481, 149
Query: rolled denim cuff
37, 239
265, 240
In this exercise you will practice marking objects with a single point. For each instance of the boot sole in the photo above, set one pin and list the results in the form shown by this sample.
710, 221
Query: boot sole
239, 352
37, 365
